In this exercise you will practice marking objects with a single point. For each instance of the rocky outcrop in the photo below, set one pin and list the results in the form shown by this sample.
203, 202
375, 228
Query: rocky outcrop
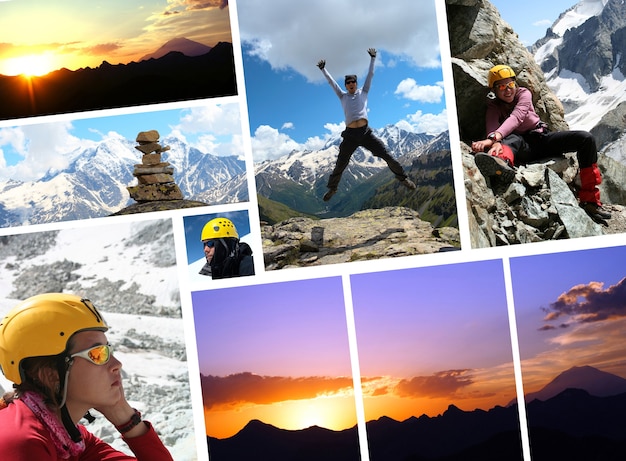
156, 189
539, 205
369, 234
155, 177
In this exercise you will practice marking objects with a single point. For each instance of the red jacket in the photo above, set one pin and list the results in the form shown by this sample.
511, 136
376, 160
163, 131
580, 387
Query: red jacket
24, 438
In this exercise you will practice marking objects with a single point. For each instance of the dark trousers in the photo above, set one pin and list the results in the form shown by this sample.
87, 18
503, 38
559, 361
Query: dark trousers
537, 145
361, 137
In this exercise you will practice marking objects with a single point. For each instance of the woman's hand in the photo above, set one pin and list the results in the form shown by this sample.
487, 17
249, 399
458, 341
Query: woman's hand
481, 146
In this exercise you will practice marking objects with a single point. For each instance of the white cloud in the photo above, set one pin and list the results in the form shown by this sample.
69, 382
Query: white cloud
297, 35
268, 143
425, 123
218, 127
42, 147
543, 23
409, 89
288, 126
218, 119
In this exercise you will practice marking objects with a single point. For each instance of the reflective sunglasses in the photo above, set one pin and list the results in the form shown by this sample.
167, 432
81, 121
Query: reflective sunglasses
350, 81
504, 86
208, 243
99, 355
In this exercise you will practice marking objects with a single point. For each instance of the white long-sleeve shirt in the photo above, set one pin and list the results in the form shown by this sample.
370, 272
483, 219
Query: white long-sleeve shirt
354, 105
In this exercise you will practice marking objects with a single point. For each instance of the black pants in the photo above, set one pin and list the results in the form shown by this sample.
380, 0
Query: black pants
536, 145
361, 137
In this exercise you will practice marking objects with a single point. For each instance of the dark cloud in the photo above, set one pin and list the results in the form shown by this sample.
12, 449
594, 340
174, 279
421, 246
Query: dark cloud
590, 303
247, 387
206, 4
441, 384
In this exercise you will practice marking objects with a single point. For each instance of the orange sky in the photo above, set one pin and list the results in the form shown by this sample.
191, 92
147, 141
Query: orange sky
37, 36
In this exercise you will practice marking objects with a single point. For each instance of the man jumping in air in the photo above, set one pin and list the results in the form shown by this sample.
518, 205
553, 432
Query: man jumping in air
357, 132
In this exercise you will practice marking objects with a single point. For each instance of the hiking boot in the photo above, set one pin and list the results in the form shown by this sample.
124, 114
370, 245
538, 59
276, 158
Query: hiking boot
328, 195
596, 212
406, 182
494, 166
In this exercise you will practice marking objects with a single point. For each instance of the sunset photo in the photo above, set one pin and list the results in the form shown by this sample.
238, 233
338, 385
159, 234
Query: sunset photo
275, 370
436, 362
66, 57
571, 317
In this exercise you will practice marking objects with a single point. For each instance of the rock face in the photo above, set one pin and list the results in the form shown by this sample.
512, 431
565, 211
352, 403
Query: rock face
479, 40
541, 203
368, 234
155, 177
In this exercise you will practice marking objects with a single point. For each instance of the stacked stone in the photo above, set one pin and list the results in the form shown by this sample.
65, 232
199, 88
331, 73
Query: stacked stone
155, 177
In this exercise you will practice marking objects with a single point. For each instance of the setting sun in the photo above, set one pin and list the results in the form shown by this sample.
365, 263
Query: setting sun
33, 65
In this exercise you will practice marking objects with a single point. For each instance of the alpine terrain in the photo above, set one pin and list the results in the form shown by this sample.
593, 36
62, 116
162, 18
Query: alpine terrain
95, 180
298, 181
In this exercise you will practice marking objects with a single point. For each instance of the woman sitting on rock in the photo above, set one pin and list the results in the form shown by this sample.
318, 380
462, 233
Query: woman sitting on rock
516, 135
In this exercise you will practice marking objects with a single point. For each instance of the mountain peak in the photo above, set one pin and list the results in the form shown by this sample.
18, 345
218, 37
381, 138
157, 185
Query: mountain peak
180, 44
595, 382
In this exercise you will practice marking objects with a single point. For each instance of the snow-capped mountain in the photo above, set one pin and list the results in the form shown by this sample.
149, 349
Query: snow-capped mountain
129, 272
594, 86
94, 184
307, 168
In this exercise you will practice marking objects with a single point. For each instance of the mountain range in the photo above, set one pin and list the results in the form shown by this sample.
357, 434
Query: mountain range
298, 180
94, 183
592, 90
573, 415
174, 76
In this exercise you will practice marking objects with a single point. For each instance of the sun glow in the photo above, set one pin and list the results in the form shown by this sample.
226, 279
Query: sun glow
33, 65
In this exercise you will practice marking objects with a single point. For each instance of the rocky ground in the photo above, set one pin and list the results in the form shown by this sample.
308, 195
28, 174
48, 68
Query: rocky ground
369, 234
539, 205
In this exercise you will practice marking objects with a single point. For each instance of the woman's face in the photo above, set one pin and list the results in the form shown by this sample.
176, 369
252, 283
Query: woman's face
92, 385
505, 89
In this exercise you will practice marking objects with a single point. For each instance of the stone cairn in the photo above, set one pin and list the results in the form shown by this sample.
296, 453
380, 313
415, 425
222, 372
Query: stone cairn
155, 177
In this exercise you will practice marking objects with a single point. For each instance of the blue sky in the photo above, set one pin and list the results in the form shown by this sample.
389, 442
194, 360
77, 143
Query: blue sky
27, 152
290, 104
531, 18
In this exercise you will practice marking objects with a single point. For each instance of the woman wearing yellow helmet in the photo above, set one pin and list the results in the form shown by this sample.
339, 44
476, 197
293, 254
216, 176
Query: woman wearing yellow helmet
54, 349
516, 136
226, 256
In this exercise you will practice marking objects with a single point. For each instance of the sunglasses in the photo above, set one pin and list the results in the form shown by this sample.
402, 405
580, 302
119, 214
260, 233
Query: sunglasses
208, 243
350, 81
504, 86
99, 355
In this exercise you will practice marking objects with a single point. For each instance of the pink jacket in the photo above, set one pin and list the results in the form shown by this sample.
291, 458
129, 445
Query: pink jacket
518, 117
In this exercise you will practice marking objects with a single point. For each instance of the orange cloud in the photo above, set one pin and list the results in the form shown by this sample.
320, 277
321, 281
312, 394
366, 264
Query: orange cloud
441, 384
246, 387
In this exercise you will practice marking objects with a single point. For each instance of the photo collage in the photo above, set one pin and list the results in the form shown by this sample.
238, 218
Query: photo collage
355, 231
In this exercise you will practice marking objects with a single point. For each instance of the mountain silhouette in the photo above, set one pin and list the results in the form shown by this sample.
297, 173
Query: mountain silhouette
590, 379
172, 77
572, 425
180, 44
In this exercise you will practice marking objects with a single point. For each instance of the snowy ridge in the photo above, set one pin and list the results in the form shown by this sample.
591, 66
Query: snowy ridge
95, 183
592, 87
307, 167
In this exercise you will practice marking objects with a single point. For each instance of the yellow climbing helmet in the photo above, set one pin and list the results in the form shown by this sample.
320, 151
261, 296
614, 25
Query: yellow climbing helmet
218, 228
41, 326
499, 72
